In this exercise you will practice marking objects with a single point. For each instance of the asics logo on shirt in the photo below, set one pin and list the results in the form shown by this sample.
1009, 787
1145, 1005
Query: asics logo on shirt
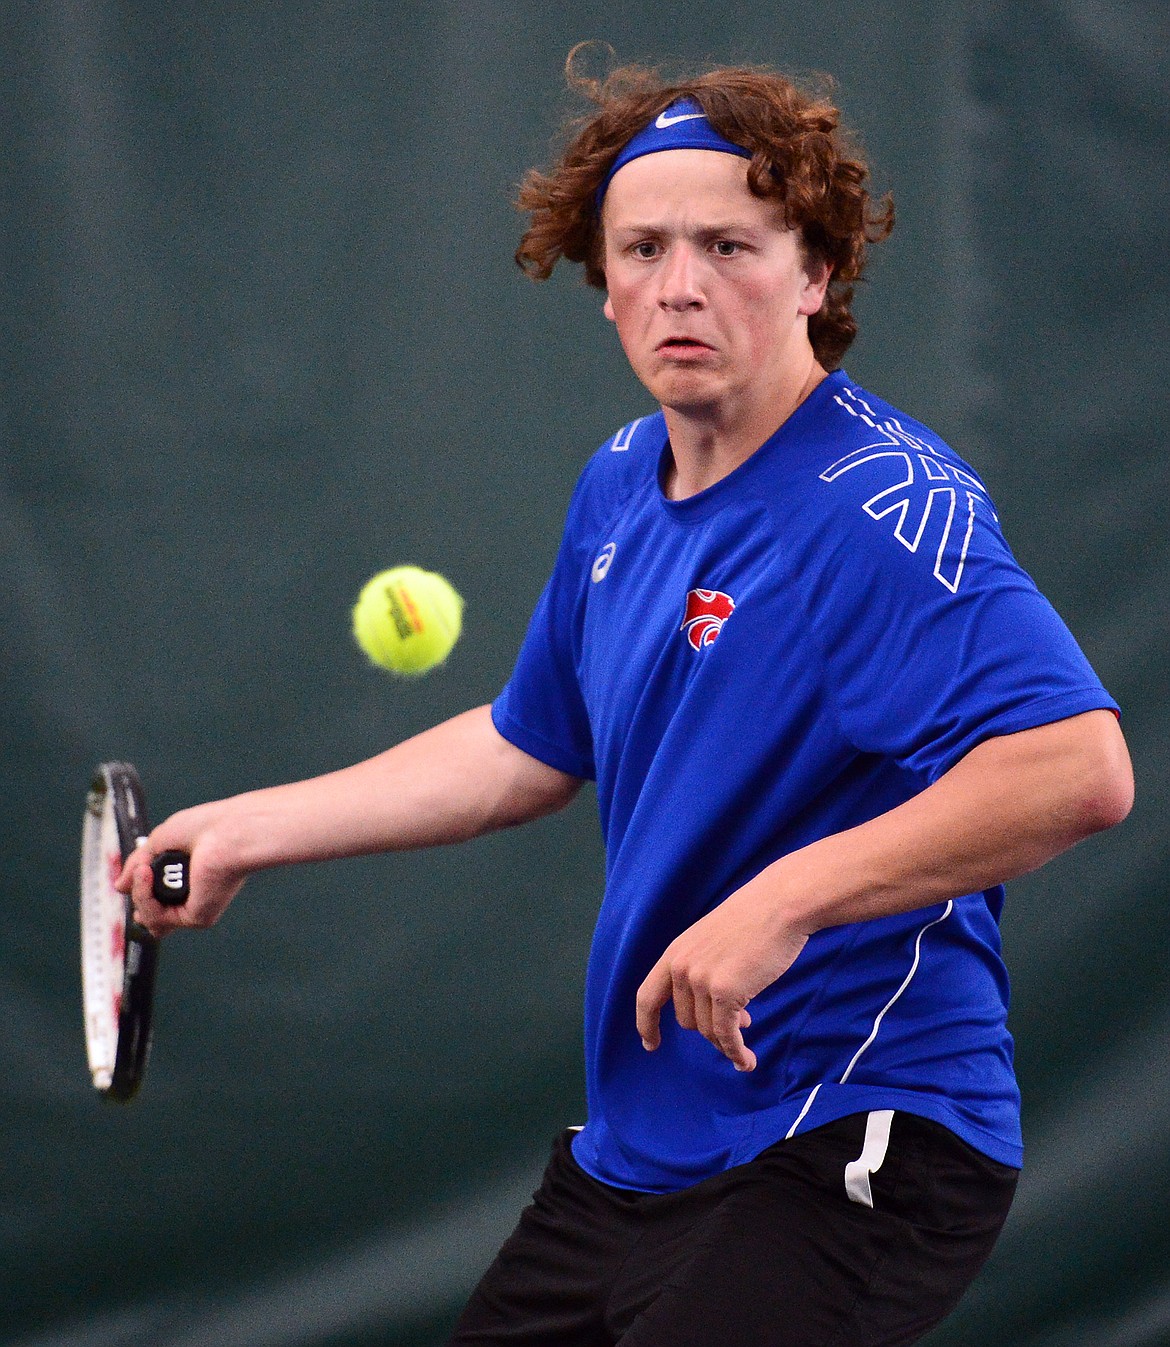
706, 612
602, 564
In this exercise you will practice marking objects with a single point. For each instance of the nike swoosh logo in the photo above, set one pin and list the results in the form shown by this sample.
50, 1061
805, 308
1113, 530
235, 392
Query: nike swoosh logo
662, 121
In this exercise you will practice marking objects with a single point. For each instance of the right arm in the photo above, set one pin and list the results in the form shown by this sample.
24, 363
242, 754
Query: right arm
453, 782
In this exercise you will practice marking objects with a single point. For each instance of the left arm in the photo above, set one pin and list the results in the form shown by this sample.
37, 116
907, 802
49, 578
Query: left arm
1006, 808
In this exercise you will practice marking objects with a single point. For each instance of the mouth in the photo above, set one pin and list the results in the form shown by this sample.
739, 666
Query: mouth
682, 346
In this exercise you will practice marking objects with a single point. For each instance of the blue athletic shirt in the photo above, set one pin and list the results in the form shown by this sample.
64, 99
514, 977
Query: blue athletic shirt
795, 650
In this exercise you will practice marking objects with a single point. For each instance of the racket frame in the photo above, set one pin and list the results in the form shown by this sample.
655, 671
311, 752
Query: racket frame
115, 816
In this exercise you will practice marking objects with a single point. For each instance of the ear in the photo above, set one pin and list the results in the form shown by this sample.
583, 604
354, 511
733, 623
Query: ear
818, 272
607, 309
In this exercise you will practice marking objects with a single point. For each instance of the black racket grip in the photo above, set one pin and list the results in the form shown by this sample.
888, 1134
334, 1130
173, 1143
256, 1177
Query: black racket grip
172, 878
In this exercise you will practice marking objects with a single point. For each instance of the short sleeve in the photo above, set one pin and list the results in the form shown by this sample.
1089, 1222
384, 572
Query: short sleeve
541, 709
932, 635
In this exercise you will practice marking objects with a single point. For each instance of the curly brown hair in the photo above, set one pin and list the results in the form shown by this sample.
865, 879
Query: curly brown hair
800, 156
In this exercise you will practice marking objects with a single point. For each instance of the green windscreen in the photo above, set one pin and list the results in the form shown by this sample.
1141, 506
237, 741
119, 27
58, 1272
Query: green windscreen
262, 337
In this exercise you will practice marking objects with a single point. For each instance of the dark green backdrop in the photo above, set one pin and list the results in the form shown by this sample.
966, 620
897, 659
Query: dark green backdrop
262, 336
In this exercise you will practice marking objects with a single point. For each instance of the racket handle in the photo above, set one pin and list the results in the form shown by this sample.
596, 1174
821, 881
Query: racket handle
172, 878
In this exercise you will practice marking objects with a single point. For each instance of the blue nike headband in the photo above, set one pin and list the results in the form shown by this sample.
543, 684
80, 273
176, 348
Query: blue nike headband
682, 126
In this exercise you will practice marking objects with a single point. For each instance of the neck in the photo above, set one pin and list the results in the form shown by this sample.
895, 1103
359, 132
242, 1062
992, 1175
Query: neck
707, 443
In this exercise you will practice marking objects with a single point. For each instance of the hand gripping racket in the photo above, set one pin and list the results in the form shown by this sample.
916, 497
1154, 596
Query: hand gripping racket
119, 958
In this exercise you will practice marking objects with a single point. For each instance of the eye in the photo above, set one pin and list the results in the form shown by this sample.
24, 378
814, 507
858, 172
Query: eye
727, 248
646, 249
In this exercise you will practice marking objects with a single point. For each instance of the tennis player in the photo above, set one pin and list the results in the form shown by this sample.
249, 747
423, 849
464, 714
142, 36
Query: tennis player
828, 716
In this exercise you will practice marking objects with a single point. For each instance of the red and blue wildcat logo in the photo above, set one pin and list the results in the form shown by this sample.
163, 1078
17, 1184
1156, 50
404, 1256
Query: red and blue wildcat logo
707, 610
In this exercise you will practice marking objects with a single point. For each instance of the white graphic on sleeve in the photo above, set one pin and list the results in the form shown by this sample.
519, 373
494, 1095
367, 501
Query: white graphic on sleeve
950, 504
624, 437
601, 565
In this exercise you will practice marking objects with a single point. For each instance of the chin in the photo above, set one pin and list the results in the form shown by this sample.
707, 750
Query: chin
684, 390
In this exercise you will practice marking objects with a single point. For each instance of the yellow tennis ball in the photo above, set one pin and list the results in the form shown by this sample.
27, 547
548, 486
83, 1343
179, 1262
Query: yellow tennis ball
407, 619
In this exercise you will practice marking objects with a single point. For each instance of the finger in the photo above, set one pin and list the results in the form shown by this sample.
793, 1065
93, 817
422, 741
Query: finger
158, 918
707, 1015
727, 1035
687, 1006
138, 857
147, 910
140, 875
653, 994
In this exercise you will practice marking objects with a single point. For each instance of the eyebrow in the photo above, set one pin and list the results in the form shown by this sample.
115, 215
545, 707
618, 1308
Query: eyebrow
706, 231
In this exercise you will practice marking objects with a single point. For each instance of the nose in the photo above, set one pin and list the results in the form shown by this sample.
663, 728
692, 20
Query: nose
681, 280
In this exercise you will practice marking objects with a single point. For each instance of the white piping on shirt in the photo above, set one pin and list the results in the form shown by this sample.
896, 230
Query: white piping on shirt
800, 1116
877, 1024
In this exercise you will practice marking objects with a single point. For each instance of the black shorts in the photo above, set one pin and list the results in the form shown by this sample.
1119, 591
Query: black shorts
780, 1252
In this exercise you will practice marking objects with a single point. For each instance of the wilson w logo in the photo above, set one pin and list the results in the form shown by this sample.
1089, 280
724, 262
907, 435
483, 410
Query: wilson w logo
929, 498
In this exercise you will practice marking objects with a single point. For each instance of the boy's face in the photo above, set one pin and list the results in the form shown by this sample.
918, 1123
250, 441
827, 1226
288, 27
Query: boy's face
707, 287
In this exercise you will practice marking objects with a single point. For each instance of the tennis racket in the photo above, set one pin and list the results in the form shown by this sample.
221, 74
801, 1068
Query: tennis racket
119, 958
